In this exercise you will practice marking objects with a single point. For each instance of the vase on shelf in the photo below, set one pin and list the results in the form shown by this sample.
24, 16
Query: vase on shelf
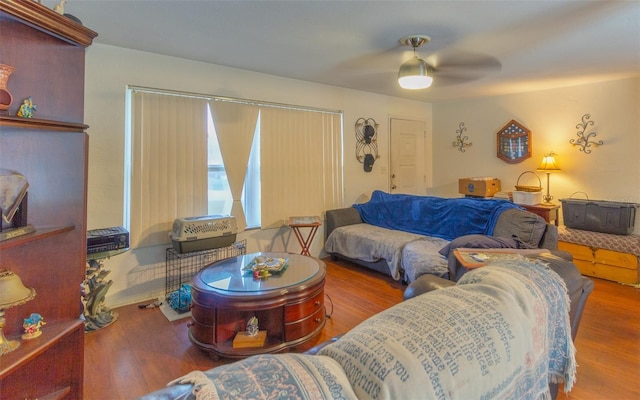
5, 97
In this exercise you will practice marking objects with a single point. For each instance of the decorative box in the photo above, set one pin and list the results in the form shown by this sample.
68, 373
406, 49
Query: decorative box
479, 187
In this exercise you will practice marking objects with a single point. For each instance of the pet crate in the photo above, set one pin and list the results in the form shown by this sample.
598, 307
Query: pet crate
182, 267
203, 233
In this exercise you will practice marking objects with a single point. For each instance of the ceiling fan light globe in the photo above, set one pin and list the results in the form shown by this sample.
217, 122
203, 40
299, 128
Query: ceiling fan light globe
414, 74
415, 82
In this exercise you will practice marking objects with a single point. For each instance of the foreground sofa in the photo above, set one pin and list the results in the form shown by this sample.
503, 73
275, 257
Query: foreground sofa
403, 235
503, 331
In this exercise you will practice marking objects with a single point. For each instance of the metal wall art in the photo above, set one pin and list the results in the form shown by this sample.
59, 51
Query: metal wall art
584, 139
461, 141
367, 142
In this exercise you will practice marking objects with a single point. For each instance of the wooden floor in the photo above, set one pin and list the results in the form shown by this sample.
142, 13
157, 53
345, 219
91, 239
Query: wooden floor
143, 351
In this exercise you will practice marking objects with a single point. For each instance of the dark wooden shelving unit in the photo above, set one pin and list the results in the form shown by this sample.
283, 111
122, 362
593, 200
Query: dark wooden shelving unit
43, 124
47, 51
39, 234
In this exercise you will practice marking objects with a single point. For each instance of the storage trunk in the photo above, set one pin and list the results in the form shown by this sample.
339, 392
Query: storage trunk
599, 216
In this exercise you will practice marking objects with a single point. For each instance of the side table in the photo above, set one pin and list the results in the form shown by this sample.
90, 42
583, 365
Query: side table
549, 213
305, 222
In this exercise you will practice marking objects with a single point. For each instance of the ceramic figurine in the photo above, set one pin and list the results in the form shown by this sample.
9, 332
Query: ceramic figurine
27, 108
32, 326
252, 327
59, 8
5, 97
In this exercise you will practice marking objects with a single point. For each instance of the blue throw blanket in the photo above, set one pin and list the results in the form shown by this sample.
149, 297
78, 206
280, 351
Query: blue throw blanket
433, 216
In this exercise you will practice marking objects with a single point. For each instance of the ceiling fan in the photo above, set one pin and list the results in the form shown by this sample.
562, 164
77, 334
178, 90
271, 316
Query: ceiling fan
455, 66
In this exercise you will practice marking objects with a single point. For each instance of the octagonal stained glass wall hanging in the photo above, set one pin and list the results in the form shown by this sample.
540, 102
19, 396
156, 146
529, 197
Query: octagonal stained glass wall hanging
514, 142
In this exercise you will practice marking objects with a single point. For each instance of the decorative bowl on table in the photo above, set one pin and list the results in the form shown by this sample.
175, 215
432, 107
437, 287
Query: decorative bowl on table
263, 267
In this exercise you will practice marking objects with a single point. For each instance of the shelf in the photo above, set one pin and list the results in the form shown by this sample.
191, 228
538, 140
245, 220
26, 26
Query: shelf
48, 50
41, 124
49, 21
39, 234
30, 349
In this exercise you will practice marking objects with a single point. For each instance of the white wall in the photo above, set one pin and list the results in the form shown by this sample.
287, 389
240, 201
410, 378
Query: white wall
139, 274
609, 172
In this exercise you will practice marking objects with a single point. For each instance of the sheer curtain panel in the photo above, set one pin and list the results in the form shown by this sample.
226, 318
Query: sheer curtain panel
235, 126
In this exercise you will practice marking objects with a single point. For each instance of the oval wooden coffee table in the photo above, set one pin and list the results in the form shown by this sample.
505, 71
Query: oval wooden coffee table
289, 305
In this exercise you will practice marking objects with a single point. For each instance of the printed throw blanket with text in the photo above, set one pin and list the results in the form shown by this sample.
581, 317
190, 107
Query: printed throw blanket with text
502, 332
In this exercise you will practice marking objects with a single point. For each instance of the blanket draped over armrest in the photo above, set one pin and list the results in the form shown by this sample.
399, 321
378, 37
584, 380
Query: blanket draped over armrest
433, 216
270, 376
501, 333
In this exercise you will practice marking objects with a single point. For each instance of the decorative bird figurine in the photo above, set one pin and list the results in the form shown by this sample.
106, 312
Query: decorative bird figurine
27, 108
59, 8
32, 326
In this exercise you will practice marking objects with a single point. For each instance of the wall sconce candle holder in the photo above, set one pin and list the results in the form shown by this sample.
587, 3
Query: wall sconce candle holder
367, 142
584, 139
461, 141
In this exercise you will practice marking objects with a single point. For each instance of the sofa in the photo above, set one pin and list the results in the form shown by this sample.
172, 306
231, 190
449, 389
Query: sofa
503, 331
404, 236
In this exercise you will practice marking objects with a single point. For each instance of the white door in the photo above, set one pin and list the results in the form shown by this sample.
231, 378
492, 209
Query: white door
407, 174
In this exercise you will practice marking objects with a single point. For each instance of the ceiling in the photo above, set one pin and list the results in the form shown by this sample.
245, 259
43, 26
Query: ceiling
515, 45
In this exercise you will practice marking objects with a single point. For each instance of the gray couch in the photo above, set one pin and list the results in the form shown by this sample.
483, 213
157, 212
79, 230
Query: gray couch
406, 256
429, 345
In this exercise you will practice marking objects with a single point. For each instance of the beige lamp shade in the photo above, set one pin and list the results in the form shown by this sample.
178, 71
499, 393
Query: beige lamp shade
549, 163
12, 291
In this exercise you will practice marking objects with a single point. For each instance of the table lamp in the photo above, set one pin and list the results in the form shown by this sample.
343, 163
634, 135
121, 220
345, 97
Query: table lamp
548, 165
12, 293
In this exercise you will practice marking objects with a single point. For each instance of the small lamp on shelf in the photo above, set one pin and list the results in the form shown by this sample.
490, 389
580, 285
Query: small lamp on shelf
547, 166
12, 293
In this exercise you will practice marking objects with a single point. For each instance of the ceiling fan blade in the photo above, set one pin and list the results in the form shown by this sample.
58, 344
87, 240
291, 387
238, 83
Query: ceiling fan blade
461, 60
455, 67
377, 59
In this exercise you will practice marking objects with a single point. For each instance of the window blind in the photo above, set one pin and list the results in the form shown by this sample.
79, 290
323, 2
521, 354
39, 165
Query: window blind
169, 150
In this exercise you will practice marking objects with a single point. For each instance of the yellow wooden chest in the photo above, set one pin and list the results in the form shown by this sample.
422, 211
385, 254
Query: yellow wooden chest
602, 263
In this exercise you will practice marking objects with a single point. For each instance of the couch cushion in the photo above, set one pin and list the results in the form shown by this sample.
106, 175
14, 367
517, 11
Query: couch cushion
526, 226
421, 257
370, 243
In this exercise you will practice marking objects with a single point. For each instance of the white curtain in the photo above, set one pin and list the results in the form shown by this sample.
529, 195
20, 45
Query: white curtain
301, 163
169, 164
235, 126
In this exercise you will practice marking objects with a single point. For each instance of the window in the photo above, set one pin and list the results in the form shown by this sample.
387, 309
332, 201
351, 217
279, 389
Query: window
193, 155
